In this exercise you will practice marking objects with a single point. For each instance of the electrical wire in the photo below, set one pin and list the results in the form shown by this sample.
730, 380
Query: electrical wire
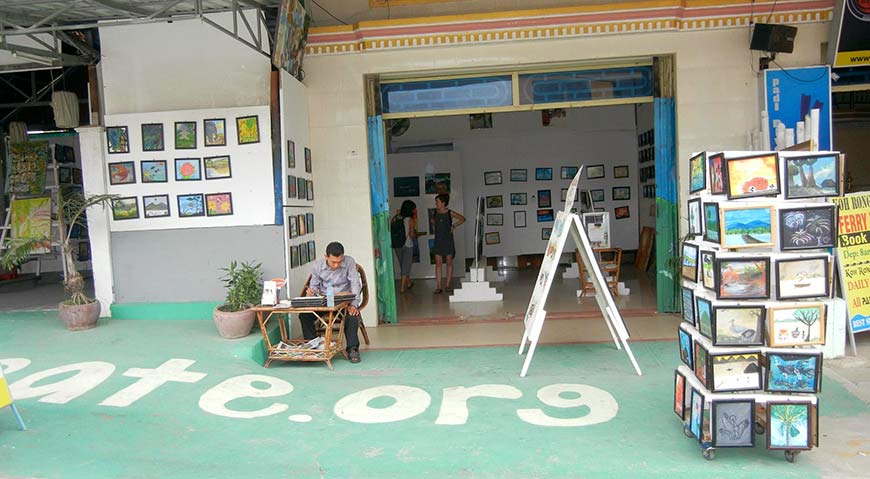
768, 15
329, 13
822, 75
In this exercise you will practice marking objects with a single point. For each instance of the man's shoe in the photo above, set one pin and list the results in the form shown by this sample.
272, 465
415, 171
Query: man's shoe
353, 355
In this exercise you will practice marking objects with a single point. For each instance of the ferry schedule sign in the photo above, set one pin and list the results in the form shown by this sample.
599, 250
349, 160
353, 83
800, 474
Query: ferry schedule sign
853, 249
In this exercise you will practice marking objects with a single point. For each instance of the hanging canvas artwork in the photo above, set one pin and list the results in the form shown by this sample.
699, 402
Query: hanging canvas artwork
153, 171
803, 278
215, 131
544, 199
291, 187
185, 135
494, 201
519, 219
27, 162
117, 139
31, 218
812, 176
704, 316
712, 231
798, 325
568, 172
735, 372
752, 176
152, 137
679, 395
688, 305
291, 154
406, 186
493, 238
125, 208
733, 423
695, 222
543, 174
595, 171
620, 171
708, 274
807, 228
291, 34
519, 199
494, 219
788, 425
686, 350
696, 415
219, 204
746, 226
122, 173
715, 165
742, 278
545, 215
437, 183
689, 269
519, 174
155, 206
492, 177
621, 212
307, 154
701, 356
248, 129
597, 195
190, 205
187, 169
793, 373
738, 325
697, 174
217, 167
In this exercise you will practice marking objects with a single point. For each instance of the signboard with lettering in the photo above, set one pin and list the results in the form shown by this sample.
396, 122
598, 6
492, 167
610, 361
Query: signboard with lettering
791, 93
853, 250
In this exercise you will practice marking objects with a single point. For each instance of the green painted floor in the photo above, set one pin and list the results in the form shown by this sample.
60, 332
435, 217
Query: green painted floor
167, 434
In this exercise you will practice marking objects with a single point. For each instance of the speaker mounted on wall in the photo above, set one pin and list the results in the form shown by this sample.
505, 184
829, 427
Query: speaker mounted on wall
768, 37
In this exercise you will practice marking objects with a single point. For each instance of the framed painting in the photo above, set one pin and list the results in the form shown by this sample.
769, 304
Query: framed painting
564, 195
156, 206
680, 395
688, 296
568, 172
215, 132
697, 173
519, 174
185, 135
621, 193
620, 171
733, 422
293, 226
492, 177
309, 222
125, 208
801, 278
152, 137
303, 228
701, 357
519, 219
712, 230
187, 169
301, 186
735, 372
716, 167
248, 129
543, 174
545, 200
689, 262
404, 186
808, 228
708, 274
545, 215
291, 154
597, 195
594, 171
793, 372
153, 171
64, 175
217, 167
294, 256
122, 173
494, 219
746, 226
545, 233
696, 226
308, 166
311, 251
687, 354
801, 324
303, 253
696, 416
493, 238
190, 205
621, 212
738, 325
309, 190
495, 201
789, 425
437, 183
291, 187
752, 176
219, 204
812, 176
742, 278
704, 316
519, 199
117, 139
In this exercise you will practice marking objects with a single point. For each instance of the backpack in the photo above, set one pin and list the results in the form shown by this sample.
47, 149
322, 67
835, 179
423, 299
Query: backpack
397, 232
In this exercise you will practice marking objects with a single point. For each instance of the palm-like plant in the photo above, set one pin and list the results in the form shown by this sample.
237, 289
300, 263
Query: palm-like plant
72, 205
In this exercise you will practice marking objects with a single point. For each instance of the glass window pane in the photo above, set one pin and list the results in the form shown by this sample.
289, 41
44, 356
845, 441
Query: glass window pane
559, 87
459, 93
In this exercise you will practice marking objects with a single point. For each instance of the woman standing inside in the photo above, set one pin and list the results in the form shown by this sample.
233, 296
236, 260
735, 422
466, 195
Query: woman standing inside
444, 248
405, 253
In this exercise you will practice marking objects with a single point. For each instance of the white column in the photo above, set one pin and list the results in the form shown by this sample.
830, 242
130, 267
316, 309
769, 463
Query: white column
93, 146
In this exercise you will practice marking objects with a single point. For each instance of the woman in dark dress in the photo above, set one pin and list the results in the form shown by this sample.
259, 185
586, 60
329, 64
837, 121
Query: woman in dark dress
444, 248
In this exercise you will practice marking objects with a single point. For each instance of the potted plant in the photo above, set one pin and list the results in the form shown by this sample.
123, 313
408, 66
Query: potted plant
243, 281
79, 311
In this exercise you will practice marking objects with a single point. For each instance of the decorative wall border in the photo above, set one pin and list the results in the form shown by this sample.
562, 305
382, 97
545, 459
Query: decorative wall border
571, 22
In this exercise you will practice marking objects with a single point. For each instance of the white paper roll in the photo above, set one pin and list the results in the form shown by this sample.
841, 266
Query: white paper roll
800, 132
765, 130
789, 137
814, 129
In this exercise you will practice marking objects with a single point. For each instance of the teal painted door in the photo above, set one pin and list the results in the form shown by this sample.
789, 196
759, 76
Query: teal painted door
386, 287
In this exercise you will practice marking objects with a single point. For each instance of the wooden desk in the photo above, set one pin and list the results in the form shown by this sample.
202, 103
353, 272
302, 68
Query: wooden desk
326, 316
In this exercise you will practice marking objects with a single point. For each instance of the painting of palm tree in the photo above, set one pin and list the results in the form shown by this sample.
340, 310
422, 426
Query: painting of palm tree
808, 228
789, 425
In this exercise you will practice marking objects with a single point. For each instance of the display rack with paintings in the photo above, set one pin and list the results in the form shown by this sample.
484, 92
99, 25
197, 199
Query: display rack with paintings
757, 276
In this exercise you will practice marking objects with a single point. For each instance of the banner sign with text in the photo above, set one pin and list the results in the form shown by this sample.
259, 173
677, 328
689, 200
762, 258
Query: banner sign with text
790, 95
853, 249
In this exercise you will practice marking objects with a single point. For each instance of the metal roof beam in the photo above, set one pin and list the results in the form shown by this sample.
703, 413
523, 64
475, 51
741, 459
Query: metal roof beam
47, 54
124, 8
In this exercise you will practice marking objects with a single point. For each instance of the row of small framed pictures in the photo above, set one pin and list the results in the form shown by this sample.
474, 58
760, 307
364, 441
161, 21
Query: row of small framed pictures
522, 174
649, 191
806, 176
299, 188
646, 154
784, 372
301, 254
791, 424
647, 138
301, 224
158, 206
186, 169
494, 237
647, 173
185, 134
748, 277
753, 225
785, 325
291, 156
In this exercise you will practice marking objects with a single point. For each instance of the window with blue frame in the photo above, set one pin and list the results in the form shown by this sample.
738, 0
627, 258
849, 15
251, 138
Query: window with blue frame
453, 94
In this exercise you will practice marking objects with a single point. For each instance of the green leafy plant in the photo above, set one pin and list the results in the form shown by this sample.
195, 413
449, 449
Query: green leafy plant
243, 282
72, 206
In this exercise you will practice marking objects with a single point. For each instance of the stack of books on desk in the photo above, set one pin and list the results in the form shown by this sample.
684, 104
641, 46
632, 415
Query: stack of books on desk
320, 301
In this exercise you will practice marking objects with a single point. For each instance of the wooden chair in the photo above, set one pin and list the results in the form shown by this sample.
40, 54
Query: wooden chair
364, 292
609, 261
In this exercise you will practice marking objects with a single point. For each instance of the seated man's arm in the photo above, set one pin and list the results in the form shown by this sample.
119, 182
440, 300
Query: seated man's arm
315, 283
355, 284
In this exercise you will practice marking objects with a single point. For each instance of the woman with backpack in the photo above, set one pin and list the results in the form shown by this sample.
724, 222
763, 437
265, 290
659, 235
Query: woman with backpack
403, 230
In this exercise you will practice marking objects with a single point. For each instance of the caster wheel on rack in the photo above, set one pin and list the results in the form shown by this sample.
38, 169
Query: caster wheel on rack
688, 432
709, 454
790, 455
759, 428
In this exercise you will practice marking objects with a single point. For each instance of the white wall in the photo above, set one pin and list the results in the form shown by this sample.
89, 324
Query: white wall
646, 214
717, 100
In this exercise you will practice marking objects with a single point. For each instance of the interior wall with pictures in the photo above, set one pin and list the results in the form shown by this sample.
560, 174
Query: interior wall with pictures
646, 203
419, 177
595, 136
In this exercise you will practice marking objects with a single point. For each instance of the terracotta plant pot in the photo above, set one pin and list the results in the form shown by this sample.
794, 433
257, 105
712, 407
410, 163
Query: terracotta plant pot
234, 325
77, 317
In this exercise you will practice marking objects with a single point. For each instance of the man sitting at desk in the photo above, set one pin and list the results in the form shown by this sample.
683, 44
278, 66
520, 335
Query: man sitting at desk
338, 271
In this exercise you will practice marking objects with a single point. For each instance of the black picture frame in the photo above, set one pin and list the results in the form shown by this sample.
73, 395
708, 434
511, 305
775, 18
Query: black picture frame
620, 171
214, 140
816, 229
198, 162
620, 193
714, 359
129, 166
793, 192
714, 227
307, 160
701, 263
159, 215
291, 187
213, 195
494, 201
687, 348
825, 259
293, 226
597, 195
700, 158
700, 321
406, 186
117, 140
811, 419
696, 228
492, 177
722, 428
145, 165
291, 154
148, 129
688, 271
761, 187
309, 190
680, 409
239, 121
519, 174
494, 219
545, 199
519, 199
738, 334
688, 304
188, 124
747, 294
568, 172
543, 174
301, 186
116, 202
594, 171
201, 200
795, 372
520, 219
546, 233
209, 161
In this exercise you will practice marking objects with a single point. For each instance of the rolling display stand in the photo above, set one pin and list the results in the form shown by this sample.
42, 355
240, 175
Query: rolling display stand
756, 286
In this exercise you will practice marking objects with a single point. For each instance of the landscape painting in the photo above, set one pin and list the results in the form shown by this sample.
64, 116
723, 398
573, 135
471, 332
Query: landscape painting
802, 278
437, 183
746, 227
686, 352
689, 269
125, 208
738, 326
155, 206
704, 315
688, 305
798, 325
733, 423
217, 167
752, 176
711, 223
808, 228
742, 278
519, 199
697, 175
812, 176
788, 424
185, 135
701, 356
736, 372
794, 373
